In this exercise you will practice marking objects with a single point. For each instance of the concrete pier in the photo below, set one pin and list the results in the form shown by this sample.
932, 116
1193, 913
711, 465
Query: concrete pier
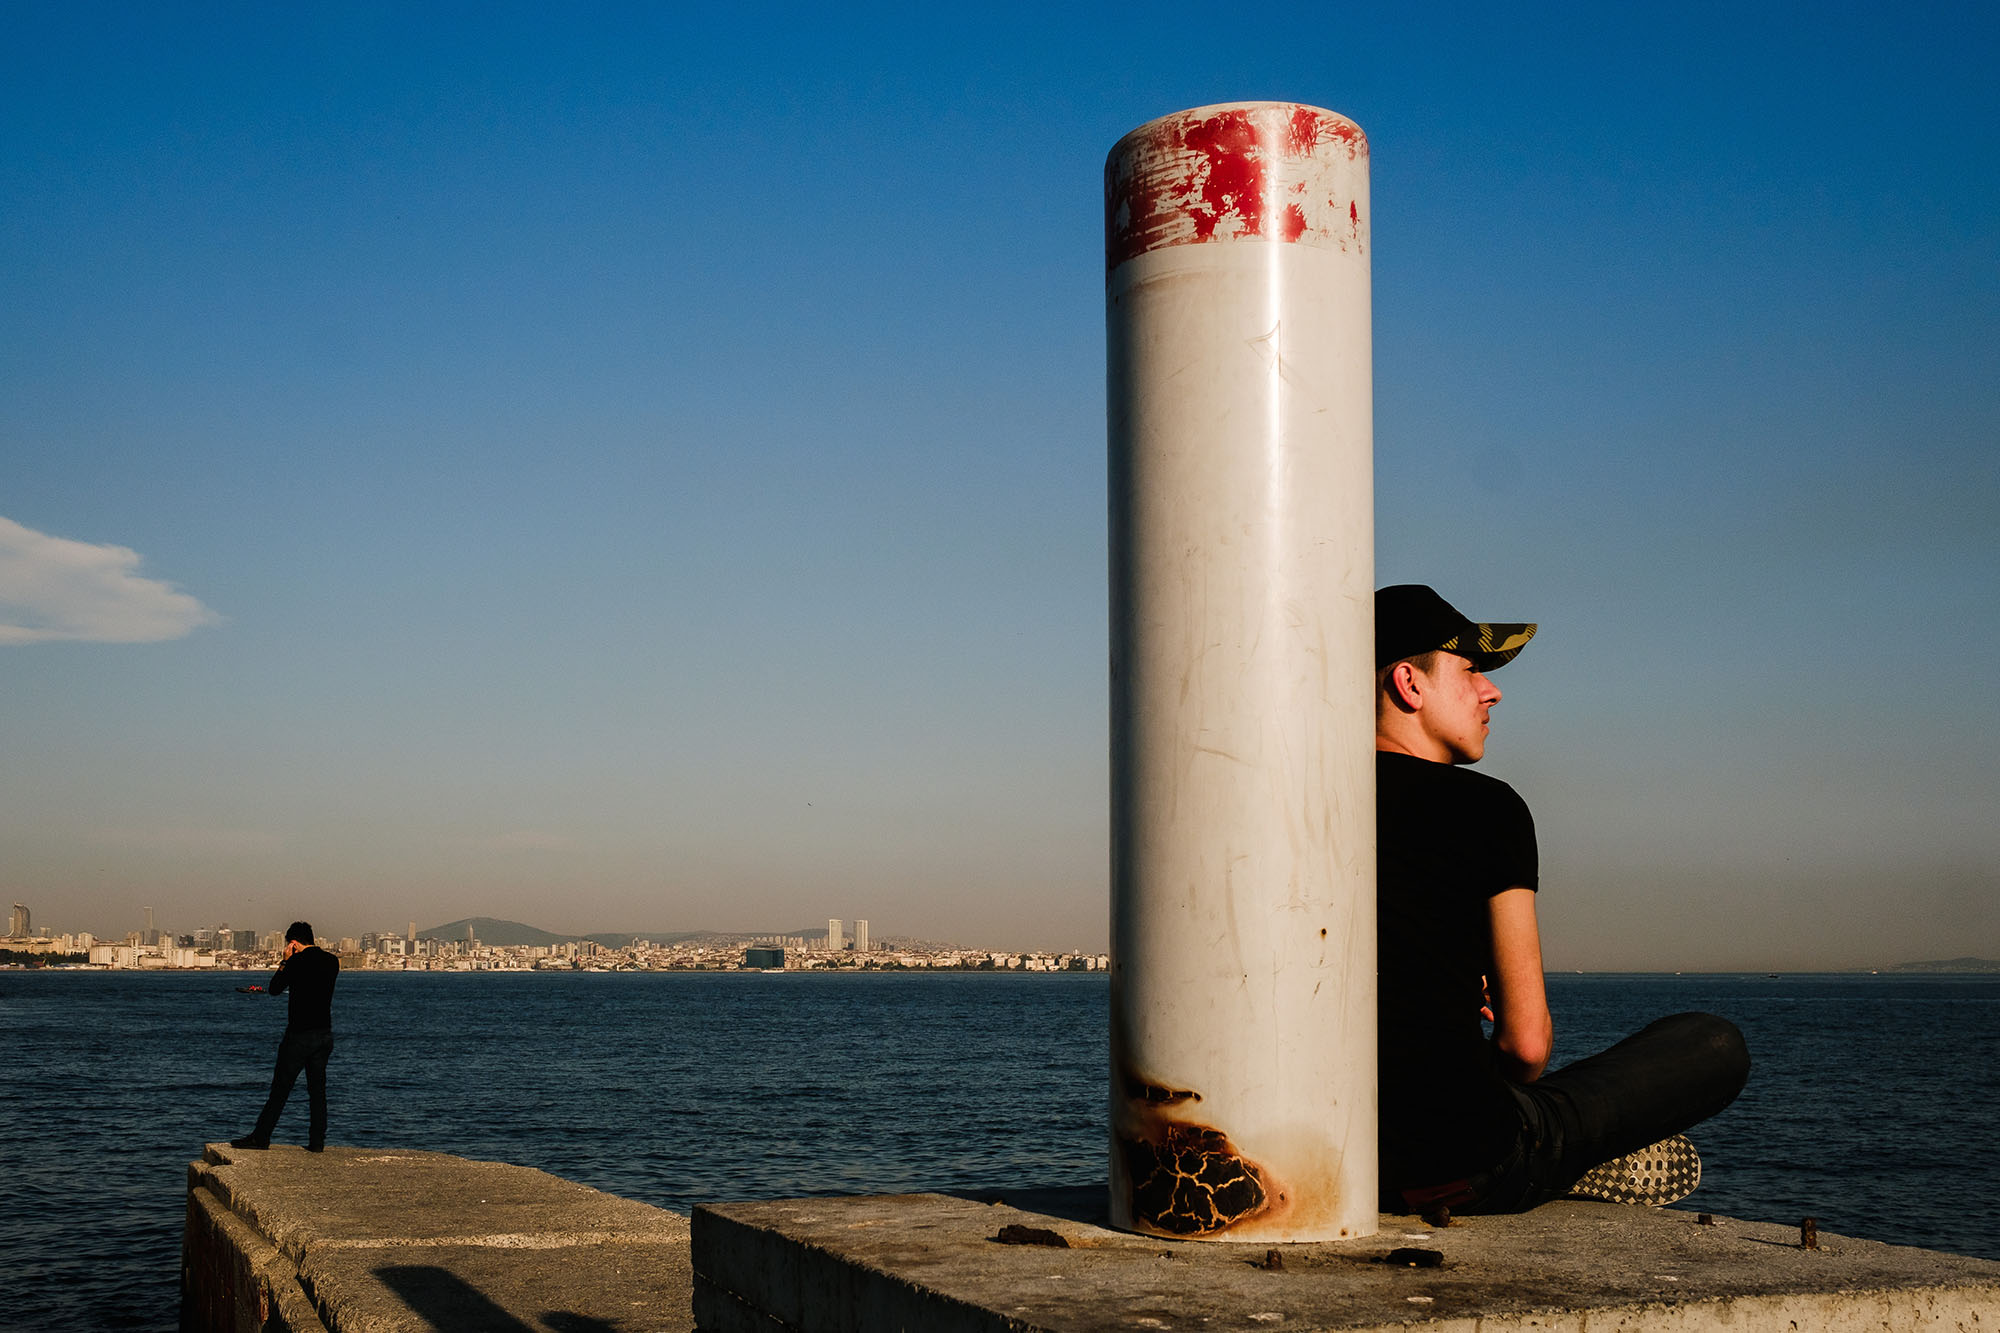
389, 1241
1050, 1262
357, 1240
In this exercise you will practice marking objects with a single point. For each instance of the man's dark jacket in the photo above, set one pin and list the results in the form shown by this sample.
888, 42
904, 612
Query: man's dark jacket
309, 974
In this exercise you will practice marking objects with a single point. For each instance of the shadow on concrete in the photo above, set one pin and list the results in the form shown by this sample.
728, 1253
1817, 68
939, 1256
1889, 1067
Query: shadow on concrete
450, 1304
568, 1321
1072, 1203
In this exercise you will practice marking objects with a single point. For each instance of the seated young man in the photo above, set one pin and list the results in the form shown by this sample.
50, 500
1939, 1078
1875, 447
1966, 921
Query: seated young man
1468, 1123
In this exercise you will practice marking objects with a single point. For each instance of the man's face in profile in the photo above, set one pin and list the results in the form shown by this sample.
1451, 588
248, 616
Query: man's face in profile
1457, 703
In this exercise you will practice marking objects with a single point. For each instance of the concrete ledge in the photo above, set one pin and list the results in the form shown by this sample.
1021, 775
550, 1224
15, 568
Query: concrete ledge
232, 1278
369, 1241
934, 1262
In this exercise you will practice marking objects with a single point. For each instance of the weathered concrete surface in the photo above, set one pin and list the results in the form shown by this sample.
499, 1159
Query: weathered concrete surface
933, 1262
357, 1240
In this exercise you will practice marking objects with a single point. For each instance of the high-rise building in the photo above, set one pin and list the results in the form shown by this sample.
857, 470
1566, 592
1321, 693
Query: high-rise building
835, 938
860, 936
18, 924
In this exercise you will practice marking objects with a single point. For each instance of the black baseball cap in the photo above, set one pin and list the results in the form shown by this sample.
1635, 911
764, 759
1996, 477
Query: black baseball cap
1411, 619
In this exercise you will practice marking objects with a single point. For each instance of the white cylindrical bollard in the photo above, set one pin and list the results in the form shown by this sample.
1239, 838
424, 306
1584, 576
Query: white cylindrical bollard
1242, 660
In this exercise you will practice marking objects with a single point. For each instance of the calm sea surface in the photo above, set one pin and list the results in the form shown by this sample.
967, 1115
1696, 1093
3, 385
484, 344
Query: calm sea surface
1874, 1104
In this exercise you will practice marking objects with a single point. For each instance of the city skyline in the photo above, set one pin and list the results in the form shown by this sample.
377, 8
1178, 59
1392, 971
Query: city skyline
466, 932
640, 466
860, 939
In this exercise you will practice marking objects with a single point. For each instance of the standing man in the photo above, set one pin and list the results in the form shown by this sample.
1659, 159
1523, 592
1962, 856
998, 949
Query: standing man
1469, 1123
309, 972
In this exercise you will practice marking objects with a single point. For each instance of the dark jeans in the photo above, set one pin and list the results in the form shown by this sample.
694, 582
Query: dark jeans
298, 1050
1668, 1076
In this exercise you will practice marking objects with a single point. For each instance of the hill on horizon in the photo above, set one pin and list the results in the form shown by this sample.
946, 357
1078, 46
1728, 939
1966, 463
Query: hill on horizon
618, 939
492, 930
515, 934
1949, 965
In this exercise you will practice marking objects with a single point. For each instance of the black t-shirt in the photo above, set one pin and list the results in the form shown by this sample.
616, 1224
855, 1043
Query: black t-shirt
310, 974
1447, 839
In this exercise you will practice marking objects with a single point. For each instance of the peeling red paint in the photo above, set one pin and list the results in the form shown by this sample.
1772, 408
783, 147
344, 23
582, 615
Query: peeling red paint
1223, 174
1303, 135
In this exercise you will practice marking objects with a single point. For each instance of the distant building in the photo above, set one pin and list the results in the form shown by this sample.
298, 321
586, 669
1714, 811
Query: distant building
860, 936
836, 938
18, 925
763, 957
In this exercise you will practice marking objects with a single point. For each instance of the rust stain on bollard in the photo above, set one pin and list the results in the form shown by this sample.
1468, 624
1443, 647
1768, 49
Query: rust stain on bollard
1140, 1091
1189, 1180
1183, 1178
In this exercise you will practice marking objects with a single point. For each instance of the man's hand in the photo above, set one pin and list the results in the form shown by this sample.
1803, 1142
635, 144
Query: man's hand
1485, 1000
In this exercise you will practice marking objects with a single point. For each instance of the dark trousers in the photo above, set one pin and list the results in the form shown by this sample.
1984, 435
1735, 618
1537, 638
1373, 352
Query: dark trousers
298, 1050
1661, 1080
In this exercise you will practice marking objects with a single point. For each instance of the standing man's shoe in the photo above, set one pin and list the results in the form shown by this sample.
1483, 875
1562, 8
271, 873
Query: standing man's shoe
249, 1141
315, 1147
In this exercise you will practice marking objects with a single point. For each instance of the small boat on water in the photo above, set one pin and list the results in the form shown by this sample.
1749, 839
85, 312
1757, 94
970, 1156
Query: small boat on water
249, 990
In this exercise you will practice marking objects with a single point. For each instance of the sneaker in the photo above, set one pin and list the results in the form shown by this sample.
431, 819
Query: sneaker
1665, 1173
249, 1141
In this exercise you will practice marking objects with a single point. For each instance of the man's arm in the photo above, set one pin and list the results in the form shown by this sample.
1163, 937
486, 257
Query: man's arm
278, 978
1522, 1031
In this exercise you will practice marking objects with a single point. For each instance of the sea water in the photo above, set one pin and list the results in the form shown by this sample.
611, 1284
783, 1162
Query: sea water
1873, 1104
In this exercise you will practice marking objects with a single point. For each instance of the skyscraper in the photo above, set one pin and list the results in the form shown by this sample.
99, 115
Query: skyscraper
860, 936
18, 925
834, 938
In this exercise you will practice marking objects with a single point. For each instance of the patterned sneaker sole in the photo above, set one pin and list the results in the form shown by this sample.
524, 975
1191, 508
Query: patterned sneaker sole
1665, 1173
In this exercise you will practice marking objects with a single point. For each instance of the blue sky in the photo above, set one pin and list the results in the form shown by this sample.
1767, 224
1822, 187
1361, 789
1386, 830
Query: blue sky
625, 468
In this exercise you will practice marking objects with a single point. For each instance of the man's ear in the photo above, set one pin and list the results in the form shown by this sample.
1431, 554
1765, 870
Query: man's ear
1406, 686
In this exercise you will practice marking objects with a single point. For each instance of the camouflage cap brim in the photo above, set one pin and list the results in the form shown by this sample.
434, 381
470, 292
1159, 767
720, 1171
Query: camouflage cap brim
1411, 619
1490, 646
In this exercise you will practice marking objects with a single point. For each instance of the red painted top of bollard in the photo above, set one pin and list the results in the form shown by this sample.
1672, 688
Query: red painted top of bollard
1272, 171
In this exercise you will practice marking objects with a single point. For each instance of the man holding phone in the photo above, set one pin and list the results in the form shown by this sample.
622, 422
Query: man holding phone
309, 973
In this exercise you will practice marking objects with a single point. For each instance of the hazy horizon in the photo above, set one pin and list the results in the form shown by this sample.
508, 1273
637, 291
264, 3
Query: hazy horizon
640, 465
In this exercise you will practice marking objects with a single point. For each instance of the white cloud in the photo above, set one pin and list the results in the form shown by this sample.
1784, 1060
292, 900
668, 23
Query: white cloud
55, 588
